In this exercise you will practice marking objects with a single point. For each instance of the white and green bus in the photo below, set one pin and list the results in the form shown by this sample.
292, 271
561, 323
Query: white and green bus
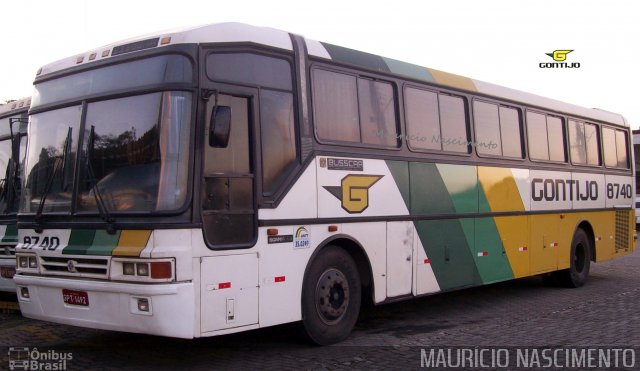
228, 177
13, 144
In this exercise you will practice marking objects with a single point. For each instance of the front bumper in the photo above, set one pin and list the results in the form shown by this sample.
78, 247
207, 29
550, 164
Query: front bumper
112, 305
7, 284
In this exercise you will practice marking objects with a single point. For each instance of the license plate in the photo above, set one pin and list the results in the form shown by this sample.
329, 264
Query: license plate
74, 297
7, 272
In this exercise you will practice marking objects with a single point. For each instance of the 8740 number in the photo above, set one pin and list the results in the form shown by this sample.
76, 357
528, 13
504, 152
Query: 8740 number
615, 190
45, 243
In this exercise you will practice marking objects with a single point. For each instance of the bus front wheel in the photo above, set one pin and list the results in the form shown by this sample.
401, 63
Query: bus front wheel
578, 272
331, 296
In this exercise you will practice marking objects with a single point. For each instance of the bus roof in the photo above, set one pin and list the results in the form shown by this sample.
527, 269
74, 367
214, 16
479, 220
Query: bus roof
15, 106
238, 32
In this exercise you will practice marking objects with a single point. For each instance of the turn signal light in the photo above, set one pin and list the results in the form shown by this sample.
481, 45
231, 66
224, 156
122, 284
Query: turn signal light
272, 232
161, 270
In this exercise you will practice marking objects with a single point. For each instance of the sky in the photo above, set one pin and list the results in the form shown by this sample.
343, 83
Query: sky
498, 41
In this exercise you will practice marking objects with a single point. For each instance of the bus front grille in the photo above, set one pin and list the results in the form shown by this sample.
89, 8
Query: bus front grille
75, 266
7, 250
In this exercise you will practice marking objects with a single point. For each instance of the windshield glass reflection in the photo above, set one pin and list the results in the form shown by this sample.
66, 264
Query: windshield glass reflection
51, 159
135, 153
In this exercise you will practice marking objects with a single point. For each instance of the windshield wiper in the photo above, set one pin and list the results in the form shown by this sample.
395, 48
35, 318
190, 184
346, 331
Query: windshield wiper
13, 177
57, 166
4, 191
102, 208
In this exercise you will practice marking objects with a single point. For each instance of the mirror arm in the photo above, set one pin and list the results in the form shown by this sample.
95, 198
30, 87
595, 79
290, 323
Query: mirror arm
207, 93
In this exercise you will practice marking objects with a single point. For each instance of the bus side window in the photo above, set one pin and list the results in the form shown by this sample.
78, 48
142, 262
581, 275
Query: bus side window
354, 109
621, 149
278, 137
336, 106
546, 136
435, 121
584, 143
615, 144
498, 130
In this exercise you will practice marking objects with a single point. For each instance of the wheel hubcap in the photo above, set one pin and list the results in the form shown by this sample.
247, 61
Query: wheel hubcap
332, 296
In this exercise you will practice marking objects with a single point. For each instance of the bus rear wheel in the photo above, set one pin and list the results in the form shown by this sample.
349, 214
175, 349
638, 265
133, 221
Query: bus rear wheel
331, 296
578, 272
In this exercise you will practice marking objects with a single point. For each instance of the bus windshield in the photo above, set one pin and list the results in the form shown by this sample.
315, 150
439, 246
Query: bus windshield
9, 165
135, 155
5, 186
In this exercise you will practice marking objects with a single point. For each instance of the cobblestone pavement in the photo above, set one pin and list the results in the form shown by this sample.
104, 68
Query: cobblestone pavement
522, 313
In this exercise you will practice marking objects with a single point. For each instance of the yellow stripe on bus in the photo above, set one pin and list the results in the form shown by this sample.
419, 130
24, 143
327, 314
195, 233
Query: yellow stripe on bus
132, 243
502, 194
450, 79
500, 189
515, 241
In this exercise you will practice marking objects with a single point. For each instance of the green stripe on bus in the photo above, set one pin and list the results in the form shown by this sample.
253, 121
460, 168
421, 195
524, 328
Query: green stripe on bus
104, 243
461, 182
494, 266
448, 243
10, 234
79, 241
355, 57
445, 244
400, 173
408, 69
429, 195
491, 259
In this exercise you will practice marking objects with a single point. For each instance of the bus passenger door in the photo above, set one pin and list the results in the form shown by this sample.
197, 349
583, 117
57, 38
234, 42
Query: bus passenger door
229, 282
227, 195
399, 258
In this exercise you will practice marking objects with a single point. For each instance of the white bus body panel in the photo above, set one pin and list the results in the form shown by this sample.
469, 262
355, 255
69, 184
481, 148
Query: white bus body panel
400, 243
229, 292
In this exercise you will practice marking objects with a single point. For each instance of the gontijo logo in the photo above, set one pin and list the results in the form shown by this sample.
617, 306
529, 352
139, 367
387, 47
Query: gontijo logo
559, 56
354, 191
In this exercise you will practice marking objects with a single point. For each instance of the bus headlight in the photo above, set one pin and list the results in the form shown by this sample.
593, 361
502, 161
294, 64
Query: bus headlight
26, 263
129, 269
142, 270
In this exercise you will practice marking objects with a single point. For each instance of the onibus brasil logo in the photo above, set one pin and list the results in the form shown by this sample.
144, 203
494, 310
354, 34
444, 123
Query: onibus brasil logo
559, 57
26, 358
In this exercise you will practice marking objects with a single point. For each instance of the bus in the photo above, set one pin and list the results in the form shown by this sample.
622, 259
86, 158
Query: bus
227, 177
13, 131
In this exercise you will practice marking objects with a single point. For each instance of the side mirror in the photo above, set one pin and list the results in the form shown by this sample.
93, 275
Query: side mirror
220, 127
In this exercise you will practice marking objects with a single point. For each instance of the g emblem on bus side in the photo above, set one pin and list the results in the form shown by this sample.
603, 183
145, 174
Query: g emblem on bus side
354, 191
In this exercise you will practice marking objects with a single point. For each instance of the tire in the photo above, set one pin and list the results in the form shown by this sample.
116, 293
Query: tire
577, 274
331, 297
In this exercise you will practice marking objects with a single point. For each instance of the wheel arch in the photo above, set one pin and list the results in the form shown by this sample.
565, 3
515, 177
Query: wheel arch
359, 256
